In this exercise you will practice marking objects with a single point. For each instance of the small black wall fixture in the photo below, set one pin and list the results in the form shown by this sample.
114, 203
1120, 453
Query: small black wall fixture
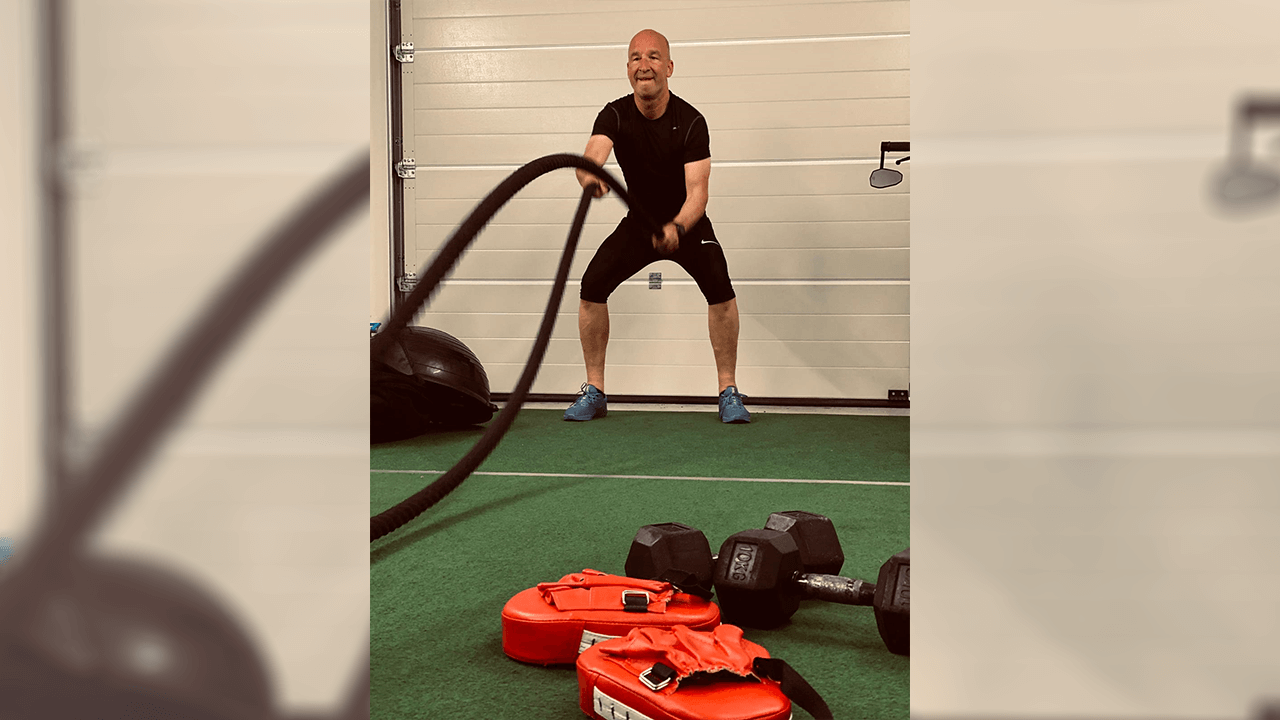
888, 177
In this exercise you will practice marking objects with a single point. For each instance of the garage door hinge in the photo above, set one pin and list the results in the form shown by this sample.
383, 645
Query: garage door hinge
403, 52
407, 282
407, 169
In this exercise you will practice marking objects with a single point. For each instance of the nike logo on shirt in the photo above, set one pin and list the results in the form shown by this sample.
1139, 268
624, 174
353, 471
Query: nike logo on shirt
710, 242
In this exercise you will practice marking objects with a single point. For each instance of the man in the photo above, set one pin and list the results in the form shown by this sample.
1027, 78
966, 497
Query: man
664, 148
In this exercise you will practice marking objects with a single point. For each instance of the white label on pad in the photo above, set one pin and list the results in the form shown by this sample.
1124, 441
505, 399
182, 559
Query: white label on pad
589, 638
607, 707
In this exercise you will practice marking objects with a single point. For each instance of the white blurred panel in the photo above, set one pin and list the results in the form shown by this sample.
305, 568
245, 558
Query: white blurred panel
194, 129
1096, 358
19, 268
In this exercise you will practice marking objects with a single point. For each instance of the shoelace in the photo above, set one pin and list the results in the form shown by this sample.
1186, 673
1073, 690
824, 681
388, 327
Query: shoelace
735, 400
582, 394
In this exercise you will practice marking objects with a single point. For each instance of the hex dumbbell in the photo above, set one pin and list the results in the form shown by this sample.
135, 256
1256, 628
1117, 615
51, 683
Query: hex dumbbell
681, 555
760, 576
760, 581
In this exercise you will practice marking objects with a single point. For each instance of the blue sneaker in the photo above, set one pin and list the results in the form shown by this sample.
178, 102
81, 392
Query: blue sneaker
591, 404
731, 408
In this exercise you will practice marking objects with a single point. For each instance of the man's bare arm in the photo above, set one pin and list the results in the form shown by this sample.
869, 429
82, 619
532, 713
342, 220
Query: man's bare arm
697, 183
598, 149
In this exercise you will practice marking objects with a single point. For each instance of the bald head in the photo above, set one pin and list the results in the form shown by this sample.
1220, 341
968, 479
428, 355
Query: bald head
651, 36
648, 67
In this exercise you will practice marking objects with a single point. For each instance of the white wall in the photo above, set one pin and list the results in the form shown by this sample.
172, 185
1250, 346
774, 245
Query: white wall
798, 98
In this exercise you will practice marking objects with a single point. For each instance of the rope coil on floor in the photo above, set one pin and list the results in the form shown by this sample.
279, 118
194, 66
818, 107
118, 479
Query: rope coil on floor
395, 517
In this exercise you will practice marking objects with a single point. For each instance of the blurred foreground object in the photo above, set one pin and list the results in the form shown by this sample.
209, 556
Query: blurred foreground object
1245, 183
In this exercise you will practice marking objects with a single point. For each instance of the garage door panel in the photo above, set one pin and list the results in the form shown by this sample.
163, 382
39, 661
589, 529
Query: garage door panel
471, 8
733, 145
551, 212
824, 263
533, 236
795, 354
816, 85
798, 98
814, 113
473, 183
804, 143
726, 145
854, 264
830, 208
511, 149
699, 380
727, 180
801, 236
632, 326
721, 116
725, 62
833, 327
814, 178
793, 236
810, 235
529, 121
636, 298
591, 25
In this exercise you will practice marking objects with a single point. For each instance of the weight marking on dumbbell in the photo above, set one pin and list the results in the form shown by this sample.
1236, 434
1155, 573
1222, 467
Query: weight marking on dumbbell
743, 563
902, 594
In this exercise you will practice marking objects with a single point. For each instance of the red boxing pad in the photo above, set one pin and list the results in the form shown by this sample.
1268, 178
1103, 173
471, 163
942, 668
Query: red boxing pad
701, 676
553, 622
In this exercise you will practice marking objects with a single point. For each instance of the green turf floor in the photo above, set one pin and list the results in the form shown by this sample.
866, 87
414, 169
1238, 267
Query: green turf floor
438, 584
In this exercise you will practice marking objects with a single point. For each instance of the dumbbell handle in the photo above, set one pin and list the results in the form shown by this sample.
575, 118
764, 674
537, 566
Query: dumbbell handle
837, 589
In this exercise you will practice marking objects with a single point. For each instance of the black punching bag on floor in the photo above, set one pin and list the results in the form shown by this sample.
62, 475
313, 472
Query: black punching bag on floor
119, 639
427, 379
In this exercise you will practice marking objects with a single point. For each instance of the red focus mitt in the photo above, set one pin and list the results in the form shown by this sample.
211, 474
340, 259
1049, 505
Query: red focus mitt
682, 674
553, 622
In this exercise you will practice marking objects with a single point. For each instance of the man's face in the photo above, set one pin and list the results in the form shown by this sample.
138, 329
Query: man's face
648, 65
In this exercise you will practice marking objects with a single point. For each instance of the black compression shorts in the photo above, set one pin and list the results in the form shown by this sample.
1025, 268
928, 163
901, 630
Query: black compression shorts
629, 249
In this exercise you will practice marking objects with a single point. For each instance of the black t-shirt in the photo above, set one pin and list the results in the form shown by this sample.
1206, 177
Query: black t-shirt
652, 153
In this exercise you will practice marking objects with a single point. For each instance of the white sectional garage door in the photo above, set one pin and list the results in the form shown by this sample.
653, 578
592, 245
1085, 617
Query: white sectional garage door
798, 98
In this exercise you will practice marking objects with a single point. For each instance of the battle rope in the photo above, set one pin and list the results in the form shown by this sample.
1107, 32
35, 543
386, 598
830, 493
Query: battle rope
96, 484
392, 518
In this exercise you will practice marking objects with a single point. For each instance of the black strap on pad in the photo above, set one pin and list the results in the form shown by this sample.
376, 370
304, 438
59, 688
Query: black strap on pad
687, 582
793, 686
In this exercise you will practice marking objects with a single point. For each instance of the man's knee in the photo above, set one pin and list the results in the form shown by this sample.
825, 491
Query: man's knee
723, 307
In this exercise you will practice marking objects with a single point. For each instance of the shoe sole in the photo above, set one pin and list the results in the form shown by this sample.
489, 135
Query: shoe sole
597, 416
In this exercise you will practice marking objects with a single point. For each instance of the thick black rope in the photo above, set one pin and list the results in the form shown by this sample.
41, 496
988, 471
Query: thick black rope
393, 518
130, 441
453, 248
